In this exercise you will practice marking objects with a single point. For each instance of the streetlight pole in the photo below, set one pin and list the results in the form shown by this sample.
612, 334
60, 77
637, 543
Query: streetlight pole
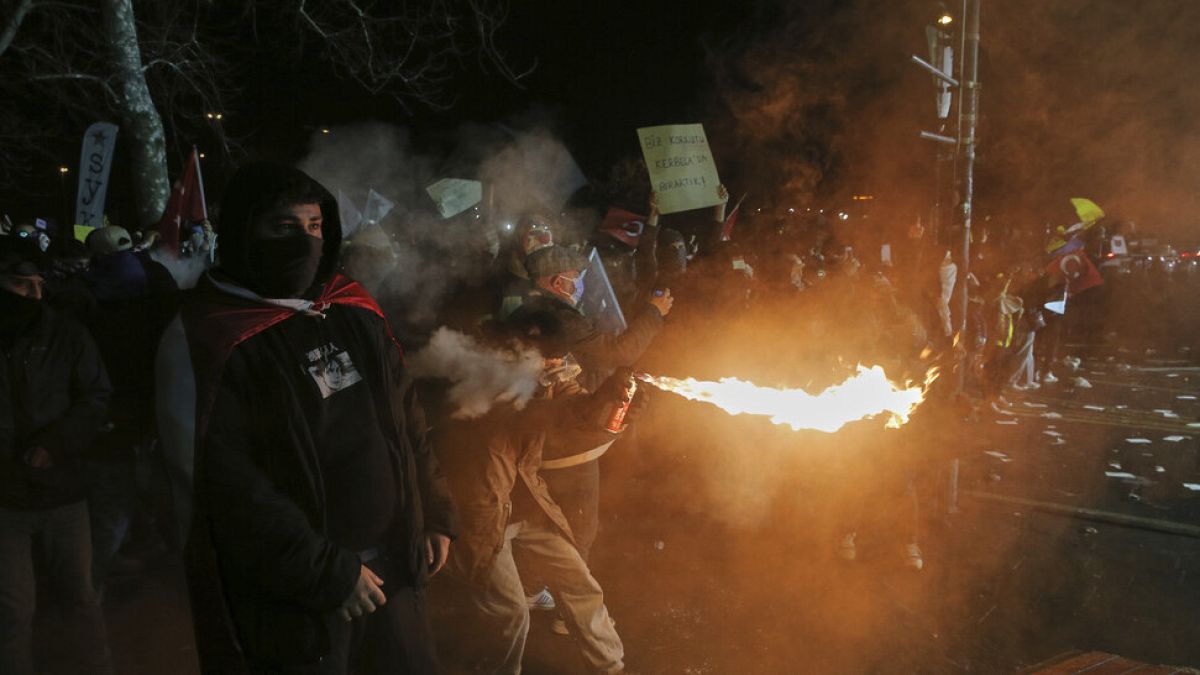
968, 116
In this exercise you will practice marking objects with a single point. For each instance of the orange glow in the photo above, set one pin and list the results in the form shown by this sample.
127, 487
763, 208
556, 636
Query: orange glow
865, 395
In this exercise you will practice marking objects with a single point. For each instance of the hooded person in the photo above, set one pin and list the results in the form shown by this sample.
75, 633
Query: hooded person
54, 394
298, 451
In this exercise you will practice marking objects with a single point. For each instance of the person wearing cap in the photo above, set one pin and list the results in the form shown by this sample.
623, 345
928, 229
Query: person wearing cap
494, 467
129, 300
54, 394
318, 511
570, 463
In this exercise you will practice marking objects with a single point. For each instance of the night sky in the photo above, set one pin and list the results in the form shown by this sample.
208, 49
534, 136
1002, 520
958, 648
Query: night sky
802, 100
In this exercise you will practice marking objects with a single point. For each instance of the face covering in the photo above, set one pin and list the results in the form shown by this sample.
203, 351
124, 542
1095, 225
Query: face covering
577, 293
16, 312
287, 267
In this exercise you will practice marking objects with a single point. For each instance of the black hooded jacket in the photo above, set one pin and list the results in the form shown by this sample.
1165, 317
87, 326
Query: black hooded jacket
290, 404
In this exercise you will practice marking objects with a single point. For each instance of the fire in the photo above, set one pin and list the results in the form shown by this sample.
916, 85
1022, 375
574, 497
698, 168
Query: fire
867, 394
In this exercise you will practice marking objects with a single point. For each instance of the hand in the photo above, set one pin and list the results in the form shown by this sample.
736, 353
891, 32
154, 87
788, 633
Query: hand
39, 458
437, 550
719, 209
148, 241
366, 596
653, 219
663, 303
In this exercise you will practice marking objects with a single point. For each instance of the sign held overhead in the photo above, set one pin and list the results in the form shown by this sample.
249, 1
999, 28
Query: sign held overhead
681, 167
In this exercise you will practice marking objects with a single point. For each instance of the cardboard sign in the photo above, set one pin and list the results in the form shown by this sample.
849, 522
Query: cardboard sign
455, 195
1117, 245
681, 167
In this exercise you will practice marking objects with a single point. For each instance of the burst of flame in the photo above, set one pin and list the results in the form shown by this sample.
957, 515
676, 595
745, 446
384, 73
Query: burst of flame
867, 394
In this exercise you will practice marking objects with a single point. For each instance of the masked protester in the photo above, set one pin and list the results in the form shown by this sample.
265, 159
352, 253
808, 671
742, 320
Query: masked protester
319, 511
53, 397
494, 464
534, 231
570, 464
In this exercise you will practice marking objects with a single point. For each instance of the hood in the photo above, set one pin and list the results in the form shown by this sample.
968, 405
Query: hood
253, 190
118, 276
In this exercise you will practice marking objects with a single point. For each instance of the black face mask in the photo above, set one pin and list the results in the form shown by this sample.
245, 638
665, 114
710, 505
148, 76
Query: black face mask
17, 312
287, 267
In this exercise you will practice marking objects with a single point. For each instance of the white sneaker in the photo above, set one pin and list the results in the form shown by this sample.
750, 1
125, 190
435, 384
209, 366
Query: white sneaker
1049, 378
847, 550
913, 558
542, 601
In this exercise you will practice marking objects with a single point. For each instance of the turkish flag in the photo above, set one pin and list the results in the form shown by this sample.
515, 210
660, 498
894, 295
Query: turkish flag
624, 226
730, 221
1076, 270
185, 205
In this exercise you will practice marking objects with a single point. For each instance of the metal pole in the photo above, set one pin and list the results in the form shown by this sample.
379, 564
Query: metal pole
1140, 522
969, 116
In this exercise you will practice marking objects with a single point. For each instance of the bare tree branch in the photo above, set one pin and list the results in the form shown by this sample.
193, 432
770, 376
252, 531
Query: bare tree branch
14, 24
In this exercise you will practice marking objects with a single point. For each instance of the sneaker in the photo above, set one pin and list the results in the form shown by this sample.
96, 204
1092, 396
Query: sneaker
847, 550
913, 558
1049, 378
559, 627
541, 601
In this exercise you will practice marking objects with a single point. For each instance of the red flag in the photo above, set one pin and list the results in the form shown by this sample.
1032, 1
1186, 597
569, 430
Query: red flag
1076, 269
185, 205
624, 226
730, 220
727, 228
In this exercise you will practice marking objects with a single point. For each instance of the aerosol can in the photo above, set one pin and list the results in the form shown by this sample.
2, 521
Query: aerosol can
616, 417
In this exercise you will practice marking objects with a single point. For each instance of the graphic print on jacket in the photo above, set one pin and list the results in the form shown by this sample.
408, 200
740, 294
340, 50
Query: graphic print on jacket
332, 369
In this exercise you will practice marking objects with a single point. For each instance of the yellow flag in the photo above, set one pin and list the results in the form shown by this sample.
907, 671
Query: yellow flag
82, 231
1088, 212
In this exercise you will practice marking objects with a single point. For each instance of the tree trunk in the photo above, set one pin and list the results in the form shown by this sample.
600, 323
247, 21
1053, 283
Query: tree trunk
141, 127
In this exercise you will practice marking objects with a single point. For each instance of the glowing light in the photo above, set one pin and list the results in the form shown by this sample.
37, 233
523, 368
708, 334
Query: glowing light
324, 131
865, 395
63, 169
843, 215
791, 210
945, 19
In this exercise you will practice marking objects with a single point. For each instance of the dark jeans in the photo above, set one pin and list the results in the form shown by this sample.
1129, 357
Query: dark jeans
61, 540
112, 500
394, 639
576, 490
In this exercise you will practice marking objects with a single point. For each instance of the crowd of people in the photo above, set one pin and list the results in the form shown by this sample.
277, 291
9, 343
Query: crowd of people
265, 424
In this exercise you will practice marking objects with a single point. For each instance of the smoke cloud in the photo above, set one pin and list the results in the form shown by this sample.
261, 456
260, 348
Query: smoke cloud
481, 377
522, 170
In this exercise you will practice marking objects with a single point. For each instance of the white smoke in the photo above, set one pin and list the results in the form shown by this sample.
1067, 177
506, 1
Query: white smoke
481, 377
527, 169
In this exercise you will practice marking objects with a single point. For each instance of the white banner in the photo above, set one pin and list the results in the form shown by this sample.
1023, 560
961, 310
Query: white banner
95, 161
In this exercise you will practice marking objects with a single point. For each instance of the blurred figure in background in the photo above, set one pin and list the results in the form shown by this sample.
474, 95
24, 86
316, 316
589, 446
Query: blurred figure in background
54, 395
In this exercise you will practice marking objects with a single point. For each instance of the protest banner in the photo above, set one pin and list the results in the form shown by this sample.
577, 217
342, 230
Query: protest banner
95, 162
455, 195
681, 167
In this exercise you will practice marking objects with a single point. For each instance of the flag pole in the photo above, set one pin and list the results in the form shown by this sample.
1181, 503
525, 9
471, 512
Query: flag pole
200, 180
